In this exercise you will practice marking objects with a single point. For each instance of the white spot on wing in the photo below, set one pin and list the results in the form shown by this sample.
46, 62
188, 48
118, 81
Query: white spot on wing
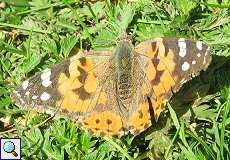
25, 84
206, 53
182, 47
45, 96
185, 66
204, 60
27, 93
199, 55
199, 45
183, 80
19, 97
34, 97
46, 82
46, 74
181, 39
193, 62
48, 111
45, 77
15, 92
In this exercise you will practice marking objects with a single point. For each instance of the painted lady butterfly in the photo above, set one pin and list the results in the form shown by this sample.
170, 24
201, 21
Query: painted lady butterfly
112, 93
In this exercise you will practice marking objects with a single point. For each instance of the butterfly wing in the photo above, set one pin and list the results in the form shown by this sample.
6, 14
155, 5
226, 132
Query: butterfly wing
67, 87
103, 118
170, 63
140, 119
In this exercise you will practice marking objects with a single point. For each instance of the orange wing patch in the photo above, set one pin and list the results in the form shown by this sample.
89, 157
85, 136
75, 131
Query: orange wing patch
159, 74
103, 119
140, 120
77, 86
103, 123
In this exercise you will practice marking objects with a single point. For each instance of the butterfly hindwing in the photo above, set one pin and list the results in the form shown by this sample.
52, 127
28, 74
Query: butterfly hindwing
104, 118
170, 63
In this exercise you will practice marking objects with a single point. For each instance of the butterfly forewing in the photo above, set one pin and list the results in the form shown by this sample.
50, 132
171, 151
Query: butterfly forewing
37, 90
170, 63
68, 86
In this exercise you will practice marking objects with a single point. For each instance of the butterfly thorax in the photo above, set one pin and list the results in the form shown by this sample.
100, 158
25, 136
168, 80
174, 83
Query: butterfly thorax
124, 55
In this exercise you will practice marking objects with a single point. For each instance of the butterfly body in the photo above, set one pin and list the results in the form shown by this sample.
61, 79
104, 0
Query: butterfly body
112, 93
124, 81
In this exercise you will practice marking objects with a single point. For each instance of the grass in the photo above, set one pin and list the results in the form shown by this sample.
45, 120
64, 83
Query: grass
39, 33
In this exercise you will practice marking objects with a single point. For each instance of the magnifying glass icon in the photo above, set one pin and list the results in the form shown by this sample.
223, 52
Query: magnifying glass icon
9, 147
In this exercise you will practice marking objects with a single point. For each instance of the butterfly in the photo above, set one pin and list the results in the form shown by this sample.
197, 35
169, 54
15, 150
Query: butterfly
111, 93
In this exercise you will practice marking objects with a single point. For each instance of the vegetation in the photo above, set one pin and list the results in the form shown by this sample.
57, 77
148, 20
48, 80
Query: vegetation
35, 34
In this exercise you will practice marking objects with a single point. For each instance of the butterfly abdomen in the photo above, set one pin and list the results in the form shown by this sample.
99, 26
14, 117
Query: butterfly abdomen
124, 86
124, 69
